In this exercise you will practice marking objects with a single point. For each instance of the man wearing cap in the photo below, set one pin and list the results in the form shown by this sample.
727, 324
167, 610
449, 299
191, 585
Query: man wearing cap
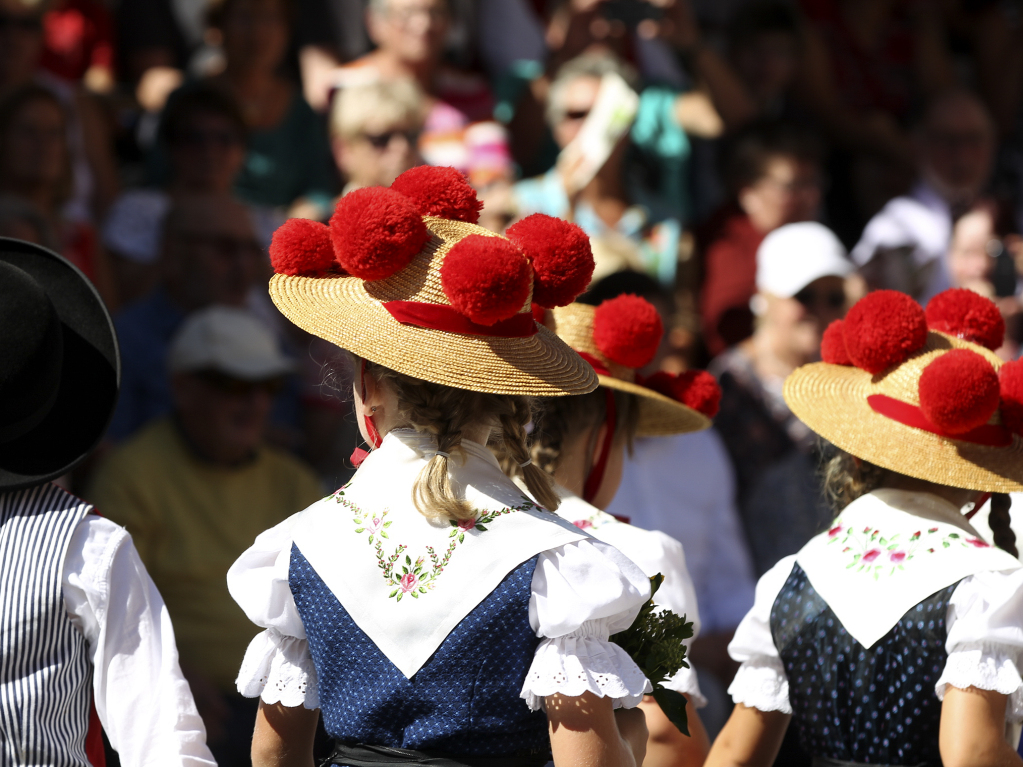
801, 271
195, 488
82, 627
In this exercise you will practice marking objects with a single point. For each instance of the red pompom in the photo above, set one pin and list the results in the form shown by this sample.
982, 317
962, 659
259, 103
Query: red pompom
560, 254
1010, 380
437, 191
376, 232
959, 391
883, 329
697, 389
485, 278
301, 246
833, 345
627, 330
964, 314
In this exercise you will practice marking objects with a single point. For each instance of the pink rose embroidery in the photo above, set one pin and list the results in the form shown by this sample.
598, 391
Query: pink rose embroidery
932, 529
466, 524
408, 582
375, 524
834, 531
583, 524
977, 543
897, 556
871, 555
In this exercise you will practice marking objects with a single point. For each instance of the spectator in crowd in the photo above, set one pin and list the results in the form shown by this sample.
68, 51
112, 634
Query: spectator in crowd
94, 180
35, 165
801, 271
905, 246
204, 134
288, 158
620, 212
374, 131
459, 131
209, 255
195, 488
765, 47
773, 174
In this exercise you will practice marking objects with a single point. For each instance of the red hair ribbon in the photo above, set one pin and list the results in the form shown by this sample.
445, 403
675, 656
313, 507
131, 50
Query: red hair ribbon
359, 455
990, 435
596, 476
450, 320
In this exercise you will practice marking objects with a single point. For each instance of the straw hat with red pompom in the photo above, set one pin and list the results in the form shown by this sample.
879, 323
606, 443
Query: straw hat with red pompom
622, 335
404, 277
919, 392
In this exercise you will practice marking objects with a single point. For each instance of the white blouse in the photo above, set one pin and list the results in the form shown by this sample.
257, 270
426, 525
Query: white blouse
582, 592
984, 642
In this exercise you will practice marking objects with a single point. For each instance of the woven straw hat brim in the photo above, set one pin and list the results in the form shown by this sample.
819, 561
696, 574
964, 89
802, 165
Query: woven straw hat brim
659, 416
340, 310
832, 400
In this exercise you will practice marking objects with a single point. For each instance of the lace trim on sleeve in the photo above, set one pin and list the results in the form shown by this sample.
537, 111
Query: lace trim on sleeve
279, 669
761, 683
987, 667
572, 665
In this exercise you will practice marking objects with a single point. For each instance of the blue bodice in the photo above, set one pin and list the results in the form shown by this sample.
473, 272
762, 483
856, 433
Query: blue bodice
463, 701
852, 704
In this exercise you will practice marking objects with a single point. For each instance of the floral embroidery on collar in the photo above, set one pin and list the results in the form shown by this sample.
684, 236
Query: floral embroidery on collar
872, 552
416, 577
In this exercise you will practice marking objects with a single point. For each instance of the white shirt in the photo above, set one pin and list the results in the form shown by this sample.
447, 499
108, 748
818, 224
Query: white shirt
984, 641
655, 553
143, 701
582, 591
684, 486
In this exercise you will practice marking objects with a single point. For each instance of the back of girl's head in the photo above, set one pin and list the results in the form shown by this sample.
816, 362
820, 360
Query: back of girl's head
448, 413
562, 419
846, 478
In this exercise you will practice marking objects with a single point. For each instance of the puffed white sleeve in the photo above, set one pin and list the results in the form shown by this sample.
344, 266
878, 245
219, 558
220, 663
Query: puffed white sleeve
985, 638
760, 681
583, 592
277, 666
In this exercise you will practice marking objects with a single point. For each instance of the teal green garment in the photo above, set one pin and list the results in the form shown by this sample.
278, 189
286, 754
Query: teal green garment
661, 142
289, 161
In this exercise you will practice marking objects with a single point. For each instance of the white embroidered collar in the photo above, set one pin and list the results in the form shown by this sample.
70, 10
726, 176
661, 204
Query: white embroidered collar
408, 581
888, 551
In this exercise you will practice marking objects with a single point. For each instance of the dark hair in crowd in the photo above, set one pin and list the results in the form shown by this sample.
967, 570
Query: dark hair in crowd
200, 100
748, 153
760, 18
847, 477
12, 105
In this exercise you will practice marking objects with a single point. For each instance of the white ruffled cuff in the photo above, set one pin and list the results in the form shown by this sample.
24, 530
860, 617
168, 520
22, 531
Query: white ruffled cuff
761, 683
986, 667
572, 665
279, 669
686, 683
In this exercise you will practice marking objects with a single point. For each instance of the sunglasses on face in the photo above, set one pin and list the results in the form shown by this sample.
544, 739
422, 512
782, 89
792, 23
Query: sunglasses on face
577, 114
237, 387
832, 299
381, 141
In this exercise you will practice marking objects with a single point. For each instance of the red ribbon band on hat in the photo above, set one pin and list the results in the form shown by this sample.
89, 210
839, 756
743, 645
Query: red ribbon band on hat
990, 435
450, 320
598, 366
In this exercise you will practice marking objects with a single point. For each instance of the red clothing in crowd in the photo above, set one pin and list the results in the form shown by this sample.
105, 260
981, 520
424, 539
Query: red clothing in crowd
77, 34
728, 245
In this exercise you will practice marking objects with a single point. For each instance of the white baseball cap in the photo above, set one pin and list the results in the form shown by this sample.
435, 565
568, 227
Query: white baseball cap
231, 341
794, 255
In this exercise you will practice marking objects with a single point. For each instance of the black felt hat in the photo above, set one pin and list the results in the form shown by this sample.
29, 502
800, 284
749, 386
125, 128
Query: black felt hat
59, 365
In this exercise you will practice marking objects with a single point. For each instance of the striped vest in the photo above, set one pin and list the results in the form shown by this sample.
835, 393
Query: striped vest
45, 675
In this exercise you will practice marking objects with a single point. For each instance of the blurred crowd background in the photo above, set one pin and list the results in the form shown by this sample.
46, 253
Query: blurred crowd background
750, 166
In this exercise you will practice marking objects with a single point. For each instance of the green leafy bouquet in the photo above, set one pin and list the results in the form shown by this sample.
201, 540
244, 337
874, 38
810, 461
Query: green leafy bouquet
655, 641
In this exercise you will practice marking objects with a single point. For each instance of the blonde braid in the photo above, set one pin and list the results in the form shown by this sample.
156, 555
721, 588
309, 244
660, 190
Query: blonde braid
514, 439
